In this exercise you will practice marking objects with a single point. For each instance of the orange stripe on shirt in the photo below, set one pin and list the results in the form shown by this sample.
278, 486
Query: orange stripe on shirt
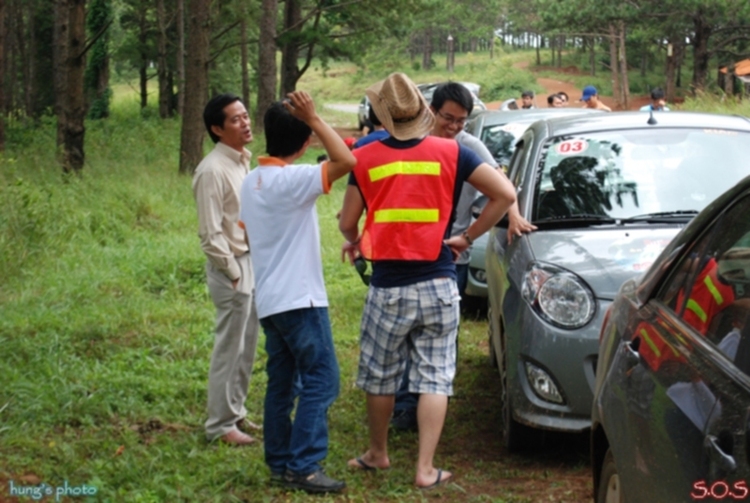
324, 175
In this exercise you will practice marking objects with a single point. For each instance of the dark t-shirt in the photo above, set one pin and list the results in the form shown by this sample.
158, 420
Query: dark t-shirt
391, 273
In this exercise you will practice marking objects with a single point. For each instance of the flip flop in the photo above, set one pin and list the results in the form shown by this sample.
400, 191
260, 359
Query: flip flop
361, 465
440, 481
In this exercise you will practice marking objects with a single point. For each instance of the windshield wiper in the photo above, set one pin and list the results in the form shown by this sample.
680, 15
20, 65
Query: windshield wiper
662, 216
578, 218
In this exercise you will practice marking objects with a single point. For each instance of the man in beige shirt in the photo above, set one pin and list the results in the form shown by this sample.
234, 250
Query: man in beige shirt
216, 186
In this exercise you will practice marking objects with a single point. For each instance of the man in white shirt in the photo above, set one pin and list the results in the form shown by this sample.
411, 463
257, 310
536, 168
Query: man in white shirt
279, 215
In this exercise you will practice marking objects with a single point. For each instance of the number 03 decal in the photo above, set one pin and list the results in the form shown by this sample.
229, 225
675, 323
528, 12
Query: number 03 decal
572, 147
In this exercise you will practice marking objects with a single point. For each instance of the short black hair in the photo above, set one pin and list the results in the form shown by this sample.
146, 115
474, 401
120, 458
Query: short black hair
551, 98
527, 94
453, 91
563, 94
373, 118
657, 93
285, 134
213, 114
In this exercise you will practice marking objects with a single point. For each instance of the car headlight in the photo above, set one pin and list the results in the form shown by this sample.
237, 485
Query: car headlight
559, 296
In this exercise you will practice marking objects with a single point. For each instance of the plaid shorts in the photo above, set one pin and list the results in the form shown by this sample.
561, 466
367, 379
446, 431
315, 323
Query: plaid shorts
419, 322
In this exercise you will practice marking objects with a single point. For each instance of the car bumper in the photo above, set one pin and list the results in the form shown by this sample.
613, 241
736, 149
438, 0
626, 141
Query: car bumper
569, 357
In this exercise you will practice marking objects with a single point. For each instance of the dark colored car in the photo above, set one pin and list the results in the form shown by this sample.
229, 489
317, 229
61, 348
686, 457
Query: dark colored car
671, 407
607, 192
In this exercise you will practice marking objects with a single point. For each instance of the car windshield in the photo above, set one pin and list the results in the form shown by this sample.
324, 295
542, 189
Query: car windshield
638, 175
500, 139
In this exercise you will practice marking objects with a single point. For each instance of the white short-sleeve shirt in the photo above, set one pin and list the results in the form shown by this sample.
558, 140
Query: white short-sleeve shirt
277, 210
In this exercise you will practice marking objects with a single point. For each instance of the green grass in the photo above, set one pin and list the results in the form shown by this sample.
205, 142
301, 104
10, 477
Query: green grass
106, 333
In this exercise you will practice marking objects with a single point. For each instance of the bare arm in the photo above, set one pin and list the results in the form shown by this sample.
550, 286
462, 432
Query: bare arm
341, 161
349, 217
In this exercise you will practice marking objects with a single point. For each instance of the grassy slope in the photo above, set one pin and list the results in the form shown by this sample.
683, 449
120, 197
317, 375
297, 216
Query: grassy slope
105, 332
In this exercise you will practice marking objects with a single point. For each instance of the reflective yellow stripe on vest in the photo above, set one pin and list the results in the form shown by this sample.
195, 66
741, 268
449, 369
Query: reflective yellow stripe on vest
415, 215
714, 291
696, 308
404, 168
650, 343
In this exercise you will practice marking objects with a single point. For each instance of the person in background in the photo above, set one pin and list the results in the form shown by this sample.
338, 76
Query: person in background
280, 218
216, 187
410, 185
658, 102
527, 100
591, 99
376, 133
554, 101
564, 97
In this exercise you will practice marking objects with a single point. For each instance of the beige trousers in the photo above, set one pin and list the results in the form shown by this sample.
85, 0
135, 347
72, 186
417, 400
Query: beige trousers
234, 347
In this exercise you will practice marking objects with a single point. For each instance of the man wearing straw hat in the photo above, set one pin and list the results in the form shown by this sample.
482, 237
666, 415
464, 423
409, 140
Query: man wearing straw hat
410, 184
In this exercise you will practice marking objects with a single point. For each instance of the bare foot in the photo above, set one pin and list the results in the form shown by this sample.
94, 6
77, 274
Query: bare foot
369, 462
432, 479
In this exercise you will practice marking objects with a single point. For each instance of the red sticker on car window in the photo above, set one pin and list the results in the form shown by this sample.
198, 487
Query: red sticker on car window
572, 147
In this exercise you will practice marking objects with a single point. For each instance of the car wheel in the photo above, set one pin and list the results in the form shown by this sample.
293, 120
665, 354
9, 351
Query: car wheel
610, 490
515, 435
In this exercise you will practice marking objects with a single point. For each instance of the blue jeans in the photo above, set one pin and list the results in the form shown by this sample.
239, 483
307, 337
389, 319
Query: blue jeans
462, 277
300, 348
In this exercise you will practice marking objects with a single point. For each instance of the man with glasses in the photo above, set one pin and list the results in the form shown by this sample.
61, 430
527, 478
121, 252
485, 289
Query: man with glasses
452, 103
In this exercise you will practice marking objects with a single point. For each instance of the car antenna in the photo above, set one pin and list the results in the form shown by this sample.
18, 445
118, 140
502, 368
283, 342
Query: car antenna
651, 121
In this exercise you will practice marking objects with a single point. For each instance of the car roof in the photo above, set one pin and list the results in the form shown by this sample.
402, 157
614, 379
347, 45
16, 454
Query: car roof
496, 117
577, 124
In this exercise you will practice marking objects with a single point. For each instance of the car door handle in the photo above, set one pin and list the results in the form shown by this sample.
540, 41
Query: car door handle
721, 458
632, 358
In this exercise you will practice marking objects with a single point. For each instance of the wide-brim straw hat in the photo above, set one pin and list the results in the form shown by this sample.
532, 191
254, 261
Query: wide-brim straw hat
400, 107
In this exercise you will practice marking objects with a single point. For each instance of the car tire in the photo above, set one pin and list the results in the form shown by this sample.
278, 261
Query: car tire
493, 352
516, 436
610, 489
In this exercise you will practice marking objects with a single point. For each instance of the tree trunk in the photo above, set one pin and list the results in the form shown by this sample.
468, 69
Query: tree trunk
290, 50
538, 50
613, 66
492, 43
561, 43
59, 62
22, 45
196, 85
701, 55
244, 63
180, 56
552, 42
2, 75
592, 55
165, 94
142, 70
427, 49
623, 61
266, 61
670, 73
75, 108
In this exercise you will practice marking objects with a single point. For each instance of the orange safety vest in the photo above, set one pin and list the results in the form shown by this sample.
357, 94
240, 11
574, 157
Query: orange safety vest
708, 296
409, 196
653, 349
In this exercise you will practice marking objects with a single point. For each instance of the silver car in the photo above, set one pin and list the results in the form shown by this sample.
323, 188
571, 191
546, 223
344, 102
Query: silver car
607, 192
499, 131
